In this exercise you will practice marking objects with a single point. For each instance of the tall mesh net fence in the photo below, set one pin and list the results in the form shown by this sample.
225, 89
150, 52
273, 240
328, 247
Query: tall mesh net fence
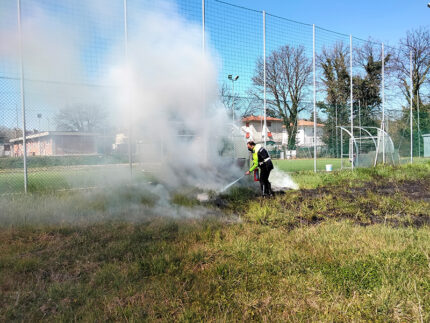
67, 72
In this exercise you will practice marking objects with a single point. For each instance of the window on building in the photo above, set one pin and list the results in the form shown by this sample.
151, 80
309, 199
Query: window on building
269, 123
247, 124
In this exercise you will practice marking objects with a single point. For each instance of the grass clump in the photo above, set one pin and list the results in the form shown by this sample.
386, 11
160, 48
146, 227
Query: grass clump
184, 200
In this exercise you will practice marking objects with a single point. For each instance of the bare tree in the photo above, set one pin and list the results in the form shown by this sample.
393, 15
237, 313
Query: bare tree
418, 42
250, 106
9, 133
229, 100
81, 117
243, 106
288, 72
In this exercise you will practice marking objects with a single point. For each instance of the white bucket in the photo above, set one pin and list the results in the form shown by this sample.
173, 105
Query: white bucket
328, 167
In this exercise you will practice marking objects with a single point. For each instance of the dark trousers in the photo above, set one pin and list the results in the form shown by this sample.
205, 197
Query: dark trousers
266, 188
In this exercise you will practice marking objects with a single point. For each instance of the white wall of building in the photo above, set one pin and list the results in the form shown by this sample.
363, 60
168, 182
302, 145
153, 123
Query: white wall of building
304, 137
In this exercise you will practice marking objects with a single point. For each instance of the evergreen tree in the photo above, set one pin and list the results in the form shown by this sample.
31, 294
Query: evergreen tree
366, 91
336, 83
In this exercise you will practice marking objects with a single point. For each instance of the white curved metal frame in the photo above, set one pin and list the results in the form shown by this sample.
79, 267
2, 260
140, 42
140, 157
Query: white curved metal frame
375, 139
351, 135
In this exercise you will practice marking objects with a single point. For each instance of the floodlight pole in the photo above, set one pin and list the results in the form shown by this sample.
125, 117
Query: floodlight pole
411, 115
315, 101
264, 78
233, 79
234, 98
383, 104
24, 139
352, 101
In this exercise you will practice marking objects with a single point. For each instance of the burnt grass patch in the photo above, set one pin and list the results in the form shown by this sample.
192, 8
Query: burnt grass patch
406, 202
412, 189
394, 202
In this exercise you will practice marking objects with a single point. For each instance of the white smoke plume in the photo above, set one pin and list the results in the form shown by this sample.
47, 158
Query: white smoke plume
164, 89
169, 92
281, 180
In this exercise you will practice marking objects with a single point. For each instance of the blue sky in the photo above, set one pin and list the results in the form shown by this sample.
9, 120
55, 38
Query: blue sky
235, 34
384, 20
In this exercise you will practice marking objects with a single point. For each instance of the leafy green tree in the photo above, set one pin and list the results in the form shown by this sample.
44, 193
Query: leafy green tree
367, 88
337, 82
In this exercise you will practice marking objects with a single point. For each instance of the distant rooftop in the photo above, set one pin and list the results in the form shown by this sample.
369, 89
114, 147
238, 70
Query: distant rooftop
261, 118
54, 133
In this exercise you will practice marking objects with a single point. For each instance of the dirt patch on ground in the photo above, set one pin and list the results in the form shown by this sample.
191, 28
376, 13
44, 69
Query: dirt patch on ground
413, 189
390, 201
368, 209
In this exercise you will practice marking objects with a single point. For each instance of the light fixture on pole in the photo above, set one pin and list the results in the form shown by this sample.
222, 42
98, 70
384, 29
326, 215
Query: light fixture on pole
233, 79
39, 116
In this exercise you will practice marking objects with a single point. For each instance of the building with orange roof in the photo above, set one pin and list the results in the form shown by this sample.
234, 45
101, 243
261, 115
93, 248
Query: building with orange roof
252, 128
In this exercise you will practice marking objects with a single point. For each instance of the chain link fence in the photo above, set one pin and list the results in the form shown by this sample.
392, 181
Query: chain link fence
57, 71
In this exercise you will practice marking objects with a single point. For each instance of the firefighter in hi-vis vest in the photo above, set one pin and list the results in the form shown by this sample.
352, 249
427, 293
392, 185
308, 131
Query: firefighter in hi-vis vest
261, 160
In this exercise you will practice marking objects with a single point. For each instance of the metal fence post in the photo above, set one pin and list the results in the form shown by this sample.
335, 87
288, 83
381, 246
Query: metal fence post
418, 123
352, 103
130, 158
203, 27
411, 115
205, 156
341, 148
315, 100
24, 139
264, 66
383, 104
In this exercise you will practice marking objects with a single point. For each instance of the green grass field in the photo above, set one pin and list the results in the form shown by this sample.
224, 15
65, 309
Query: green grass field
51, 178
348, 246
59, 178
297, 165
